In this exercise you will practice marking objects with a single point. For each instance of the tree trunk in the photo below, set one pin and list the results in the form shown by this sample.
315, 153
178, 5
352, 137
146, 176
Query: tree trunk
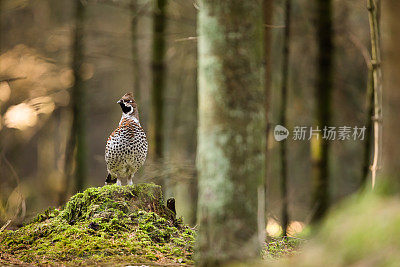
320, 147
263, 195
157, 94
391, 100
78, 100
76, 144
231, 134
282, 117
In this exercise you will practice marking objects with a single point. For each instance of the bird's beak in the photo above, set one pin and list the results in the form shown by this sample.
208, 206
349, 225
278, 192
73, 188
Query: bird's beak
119, 101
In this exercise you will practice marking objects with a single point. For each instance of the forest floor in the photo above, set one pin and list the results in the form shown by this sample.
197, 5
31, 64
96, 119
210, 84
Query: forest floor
112, 224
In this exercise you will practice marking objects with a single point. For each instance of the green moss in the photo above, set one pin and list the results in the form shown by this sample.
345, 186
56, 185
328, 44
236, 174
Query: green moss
110, 224
276, 248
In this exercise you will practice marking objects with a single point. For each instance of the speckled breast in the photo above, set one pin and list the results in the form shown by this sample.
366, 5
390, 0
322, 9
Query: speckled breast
126, 149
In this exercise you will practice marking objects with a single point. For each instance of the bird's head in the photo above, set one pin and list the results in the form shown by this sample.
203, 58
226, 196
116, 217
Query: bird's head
129, 106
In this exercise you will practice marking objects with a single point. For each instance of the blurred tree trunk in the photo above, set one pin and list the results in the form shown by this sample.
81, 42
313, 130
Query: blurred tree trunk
282, 117
158, 87
135, 50
320, 147
75, 152
231, 134
268, 20
391, 100
78, 99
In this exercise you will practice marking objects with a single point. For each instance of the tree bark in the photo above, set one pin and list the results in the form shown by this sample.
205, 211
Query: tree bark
231, 133
320, 147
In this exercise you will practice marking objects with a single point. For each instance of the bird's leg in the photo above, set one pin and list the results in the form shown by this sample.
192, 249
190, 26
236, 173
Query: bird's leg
130, 180
119, 182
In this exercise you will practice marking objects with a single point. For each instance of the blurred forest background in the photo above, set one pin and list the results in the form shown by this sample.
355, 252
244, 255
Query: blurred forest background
38, 46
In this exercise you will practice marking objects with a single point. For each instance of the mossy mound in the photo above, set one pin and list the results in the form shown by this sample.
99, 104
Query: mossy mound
110, 224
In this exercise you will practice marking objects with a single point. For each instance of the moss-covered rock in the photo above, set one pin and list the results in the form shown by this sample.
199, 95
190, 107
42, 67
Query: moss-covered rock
110, 224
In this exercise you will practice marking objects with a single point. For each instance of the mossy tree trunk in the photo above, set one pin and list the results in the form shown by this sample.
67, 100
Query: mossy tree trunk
158, 86
231, 133
391, 81
320, 147
75, 155
282, 116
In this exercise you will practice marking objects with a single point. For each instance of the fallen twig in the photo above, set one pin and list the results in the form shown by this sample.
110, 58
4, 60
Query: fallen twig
5, 226
187, 39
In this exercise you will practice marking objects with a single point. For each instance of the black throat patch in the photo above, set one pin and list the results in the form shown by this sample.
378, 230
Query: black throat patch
125, 109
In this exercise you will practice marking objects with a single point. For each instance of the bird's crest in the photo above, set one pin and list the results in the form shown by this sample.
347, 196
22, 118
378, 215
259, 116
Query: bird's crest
128, 96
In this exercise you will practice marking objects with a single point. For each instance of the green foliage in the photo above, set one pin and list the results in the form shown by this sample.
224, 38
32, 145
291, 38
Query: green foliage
110, 224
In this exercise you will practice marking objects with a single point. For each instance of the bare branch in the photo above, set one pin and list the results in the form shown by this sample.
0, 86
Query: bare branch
274, 26
12, 79
363, 49
373, 15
